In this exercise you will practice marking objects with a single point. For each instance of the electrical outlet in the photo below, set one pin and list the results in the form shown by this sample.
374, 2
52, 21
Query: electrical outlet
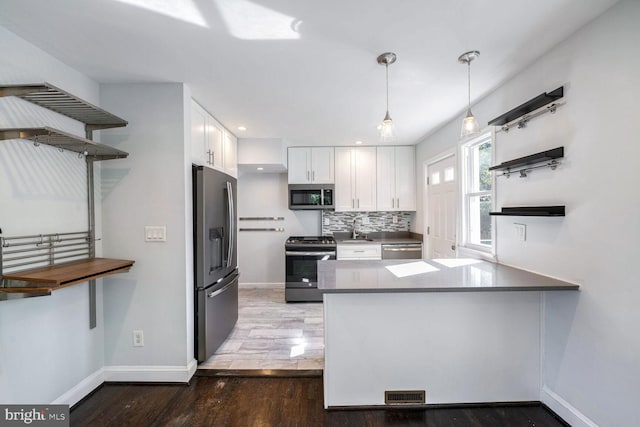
155, 233
365, 220
521, 231
327, 221
138, 338
394, 219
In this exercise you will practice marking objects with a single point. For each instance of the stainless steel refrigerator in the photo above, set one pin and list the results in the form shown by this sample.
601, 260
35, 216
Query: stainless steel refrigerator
215, 259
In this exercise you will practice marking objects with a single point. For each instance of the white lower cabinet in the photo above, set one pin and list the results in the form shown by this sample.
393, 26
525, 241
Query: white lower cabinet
358, 251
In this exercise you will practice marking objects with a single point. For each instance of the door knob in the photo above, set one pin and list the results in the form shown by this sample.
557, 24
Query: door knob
453, 247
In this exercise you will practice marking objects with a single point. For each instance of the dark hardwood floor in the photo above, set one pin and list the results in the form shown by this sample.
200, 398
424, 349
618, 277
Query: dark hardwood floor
272, 401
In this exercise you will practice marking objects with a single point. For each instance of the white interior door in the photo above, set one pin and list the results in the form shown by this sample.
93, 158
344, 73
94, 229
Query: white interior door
441, 200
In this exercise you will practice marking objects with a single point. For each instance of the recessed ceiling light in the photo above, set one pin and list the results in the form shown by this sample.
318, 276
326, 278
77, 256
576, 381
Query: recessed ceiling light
260, 169
358, 142
242, 128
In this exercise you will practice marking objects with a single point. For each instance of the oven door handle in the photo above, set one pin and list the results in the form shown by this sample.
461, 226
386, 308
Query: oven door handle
309, 253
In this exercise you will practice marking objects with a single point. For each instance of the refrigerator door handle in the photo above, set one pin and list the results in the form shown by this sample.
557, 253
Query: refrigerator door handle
232, 230
224, 288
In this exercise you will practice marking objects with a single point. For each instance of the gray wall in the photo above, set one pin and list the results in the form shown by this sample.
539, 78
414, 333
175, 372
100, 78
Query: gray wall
151, 187
261, 253
590, 344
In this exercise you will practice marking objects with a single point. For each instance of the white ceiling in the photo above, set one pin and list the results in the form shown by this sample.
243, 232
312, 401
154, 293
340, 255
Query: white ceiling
305, 71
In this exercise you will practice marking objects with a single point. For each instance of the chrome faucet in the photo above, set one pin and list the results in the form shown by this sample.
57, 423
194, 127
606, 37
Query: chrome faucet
354, 233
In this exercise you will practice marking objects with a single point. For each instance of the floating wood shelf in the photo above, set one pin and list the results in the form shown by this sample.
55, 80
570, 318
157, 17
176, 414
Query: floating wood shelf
529, 106
48, 96
64, 141
530, 211
524, 164
51, 278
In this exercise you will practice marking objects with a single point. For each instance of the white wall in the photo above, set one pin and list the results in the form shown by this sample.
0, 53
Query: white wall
46, 346
151, 187
261, 253
591, 351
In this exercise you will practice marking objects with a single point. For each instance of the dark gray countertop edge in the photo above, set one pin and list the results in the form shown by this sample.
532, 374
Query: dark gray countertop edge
451, 289
383, 237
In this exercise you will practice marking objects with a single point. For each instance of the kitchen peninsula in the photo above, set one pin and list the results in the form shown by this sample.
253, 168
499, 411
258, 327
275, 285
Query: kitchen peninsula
461, 330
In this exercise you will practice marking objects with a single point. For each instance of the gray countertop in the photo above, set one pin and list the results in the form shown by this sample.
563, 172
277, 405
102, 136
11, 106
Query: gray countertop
447, 275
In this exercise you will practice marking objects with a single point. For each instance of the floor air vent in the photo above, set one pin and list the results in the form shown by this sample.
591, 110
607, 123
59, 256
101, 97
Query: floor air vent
404, 397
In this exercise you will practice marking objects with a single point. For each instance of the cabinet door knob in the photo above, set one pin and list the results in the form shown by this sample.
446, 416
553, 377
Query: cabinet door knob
453, 247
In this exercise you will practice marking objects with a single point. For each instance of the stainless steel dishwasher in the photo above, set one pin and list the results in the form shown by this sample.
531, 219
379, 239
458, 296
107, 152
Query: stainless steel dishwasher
402, 251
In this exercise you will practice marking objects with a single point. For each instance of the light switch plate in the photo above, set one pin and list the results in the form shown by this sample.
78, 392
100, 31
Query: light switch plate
155, 233
521, 231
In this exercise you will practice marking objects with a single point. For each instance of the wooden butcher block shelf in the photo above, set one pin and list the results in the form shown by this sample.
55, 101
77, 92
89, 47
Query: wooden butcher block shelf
47, 279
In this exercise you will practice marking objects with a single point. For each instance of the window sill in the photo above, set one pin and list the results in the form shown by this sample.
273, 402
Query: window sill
466, 251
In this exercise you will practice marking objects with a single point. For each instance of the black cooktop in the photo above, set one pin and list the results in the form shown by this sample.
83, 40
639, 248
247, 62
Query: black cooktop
311, 240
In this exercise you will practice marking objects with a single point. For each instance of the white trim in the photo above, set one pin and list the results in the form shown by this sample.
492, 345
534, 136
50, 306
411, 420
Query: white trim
169, 374
80, 390
268, 285
463, 144
564, 409
451, 152
467, 252
443, 155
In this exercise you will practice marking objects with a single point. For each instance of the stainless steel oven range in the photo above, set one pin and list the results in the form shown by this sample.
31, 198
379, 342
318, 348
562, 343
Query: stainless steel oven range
302, 255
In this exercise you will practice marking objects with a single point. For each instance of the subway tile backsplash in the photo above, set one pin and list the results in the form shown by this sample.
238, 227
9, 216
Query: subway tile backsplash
378, 221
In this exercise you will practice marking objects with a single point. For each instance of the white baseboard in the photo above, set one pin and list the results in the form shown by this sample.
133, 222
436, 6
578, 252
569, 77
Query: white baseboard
267, 285
169, 374
80, 390
563, 408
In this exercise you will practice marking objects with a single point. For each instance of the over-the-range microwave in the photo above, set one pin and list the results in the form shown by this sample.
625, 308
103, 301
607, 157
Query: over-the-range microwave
310, 196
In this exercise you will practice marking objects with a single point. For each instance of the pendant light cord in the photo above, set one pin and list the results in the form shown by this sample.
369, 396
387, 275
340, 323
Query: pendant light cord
386, 66
469, 85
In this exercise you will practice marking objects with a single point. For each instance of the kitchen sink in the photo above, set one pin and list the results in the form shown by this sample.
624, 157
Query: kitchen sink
355, 240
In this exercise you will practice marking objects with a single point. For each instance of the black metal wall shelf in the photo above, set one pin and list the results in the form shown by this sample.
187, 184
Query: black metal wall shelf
48, 96
530, 211
64, 141
524, 164
529, 106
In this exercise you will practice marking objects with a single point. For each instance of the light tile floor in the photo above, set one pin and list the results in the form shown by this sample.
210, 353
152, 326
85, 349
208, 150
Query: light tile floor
271, 334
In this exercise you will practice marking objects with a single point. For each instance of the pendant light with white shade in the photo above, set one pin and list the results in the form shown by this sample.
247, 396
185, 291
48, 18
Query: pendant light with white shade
386, 128
470, 125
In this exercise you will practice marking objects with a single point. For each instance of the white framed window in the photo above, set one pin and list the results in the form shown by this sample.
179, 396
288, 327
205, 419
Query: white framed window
477, 190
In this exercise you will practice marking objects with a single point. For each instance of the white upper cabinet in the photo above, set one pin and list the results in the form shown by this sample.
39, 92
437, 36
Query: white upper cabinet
198, 135
396, 178
311, 165
211, 144
299, 165
405, 178
230, 151
355, 179
322, 165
